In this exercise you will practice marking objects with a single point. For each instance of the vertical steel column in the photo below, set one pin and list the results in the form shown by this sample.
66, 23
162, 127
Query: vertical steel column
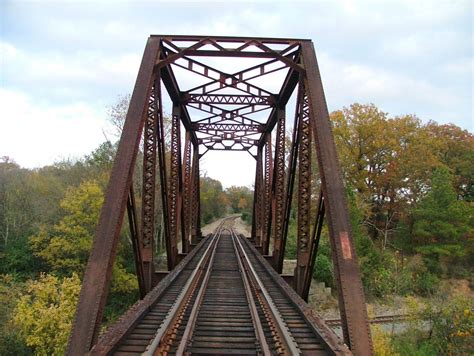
148, 192
198, 196
315, 237
303, 243
187, 191
267, 197
195, 197
292, 163
98, 273
162, 168
355, 325
175, 183
134, 236
279, 192
257, 201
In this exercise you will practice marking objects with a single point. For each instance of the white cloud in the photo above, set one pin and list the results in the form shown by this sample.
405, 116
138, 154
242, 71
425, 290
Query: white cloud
34, 135
62, 64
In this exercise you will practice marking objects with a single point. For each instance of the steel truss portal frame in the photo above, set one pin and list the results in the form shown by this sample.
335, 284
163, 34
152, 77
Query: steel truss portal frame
235, 111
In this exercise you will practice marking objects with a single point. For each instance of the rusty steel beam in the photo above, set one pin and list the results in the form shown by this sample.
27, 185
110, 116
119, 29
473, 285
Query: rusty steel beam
278, 195
248, 128
303, 241
257, 201
162, 171
355, 324
227, 99
315, 238
134, 236
292, 167
187, 198
98, 273
267, 197
146, 241
171, 85
174, 196
289, 85
194, 214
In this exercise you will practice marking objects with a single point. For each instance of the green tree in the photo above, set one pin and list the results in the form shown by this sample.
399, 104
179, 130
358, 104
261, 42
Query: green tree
441, 223
213, 199
44, 315
66, 247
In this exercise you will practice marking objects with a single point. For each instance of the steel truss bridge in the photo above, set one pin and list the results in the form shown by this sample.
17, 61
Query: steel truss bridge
224, 293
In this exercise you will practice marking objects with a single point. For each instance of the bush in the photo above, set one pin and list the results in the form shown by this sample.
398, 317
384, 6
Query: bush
442, 326
426, 284
323, 270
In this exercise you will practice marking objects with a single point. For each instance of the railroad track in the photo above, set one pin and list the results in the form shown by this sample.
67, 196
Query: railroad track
381, 319
224, 301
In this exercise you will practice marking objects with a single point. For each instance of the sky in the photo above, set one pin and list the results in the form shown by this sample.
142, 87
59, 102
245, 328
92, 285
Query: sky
64, 63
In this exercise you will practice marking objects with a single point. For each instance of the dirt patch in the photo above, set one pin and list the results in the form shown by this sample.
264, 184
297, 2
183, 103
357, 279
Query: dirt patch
240, 226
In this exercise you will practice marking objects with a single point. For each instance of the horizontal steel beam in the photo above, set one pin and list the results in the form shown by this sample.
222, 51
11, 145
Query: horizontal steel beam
228, 127
226, 99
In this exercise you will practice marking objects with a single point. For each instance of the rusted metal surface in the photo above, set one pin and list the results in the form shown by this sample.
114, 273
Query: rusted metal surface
187, 192
278, 194
148, 192
134, 236
303, 240
351, 294
267, 194
234, 110
258, 214
98, 272
174, 197
195, 213
315, 238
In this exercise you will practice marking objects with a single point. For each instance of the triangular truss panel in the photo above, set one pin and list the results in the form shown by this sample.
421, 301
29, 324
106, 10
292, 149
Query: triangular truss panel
231, 94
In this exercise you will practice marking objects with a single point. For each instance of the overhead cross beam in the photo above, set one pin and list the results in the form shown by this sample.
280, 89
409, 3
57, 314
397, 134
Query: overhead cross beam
236, 111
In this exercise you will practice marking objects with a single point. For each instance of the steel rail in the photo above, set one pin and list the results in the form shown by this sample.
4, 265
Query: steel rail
290, 346
197, 304
184, 296
252, 304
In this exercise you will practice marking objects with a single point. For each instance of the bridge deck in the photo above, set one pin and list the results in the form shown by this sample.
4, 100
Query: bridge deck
223, 298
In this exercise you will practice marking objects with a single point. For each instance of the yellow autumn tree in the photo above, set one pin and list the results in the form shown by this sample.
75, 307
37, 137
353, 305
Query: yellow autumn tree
44, 315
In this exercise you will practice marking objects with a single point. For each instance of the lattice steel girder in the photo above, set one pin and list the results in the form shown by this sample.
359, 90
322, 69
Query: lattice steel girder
175, 190
303, 240
352, 306
247, 128
228, 99
195, 211
279, 193
257, 215
148, 192
292, 163
267, 197
187, 180
162, 169
98, 273
224, 115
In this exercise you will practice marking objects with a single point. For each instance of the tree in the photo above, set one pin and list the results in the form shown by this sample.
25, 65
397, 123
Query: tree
213, 199
456, 151
240, 198
441, 222
44, 315
66, 246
